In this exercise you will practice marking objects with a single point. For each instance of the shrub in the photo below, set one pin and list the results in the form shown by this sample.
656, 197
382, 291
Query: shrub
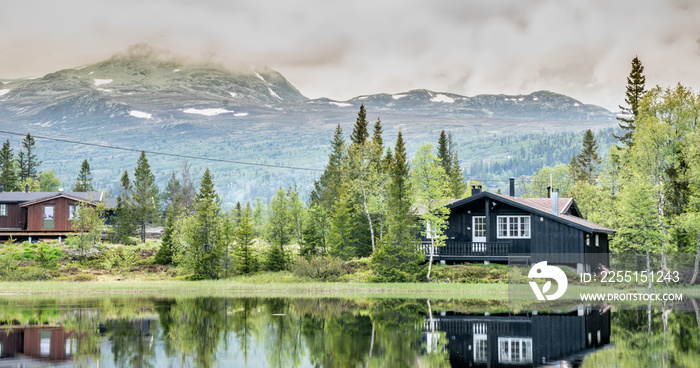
319, 268
28, 274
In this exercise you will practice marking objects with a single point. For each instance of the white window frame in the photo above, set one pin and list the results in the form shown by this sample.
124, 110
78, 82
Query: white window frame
72, 212
511, 350
3, 210
516, 227
588, 240
597, 240
481, 348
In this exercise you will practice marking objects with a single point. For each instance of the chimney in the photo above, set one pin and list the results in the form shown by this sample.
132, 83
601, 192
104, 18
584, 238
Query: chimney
26, 188
476, 189
549, 192
555, 201
511, 182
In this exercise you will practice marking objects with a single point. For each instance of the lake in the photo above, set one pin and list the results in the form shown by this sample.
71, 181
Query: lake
208, 331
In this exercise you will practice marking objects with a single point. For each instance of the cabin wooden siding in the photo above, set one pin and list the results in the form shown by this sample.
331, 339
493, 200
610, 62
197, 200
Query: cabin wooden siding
57, 347
15, 219
35, 214
556, 242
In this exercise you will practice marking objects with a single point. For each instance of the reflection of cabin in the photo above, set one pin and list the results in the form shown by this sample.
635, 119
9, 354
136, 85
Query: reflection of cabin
24, 215
48, 343
519, 340
502, 228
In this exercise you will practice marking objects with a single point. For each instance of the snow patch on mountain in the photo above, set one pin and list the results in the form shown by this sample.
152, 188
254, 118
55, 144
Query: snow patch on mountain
273, 93
341, 104
4, 91
206, 112
442, 98
260, 76
233, 94
239, 114
397, 97
99, 82
140, 114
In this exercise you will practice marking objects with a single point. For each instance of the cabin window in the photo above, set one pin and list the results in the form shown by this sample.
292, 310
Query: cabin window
3, 210
514, 350
44, 343
480, 348
588, 240
72, 212
597, 241
510, 227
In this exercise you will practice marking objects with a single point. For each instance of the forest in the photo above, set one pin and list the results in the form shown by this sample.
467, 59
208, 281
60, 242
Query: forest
371, 203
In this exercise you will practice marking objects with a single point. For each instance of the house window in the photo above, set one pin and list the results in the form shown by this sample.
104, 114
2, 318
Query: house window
588, 240
480, 348
72, 212
510, 227
597, 241
514, 350
3, 210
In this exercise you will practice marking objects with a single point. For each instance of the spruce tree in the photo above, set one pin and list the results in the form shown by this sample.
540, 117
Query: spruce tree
278, 231
398, 258
586, 165
165, 253
326, 188
359, 131
144, 194
244, 255
377, 134
124, 221
204, 235
633, 97
443, 153
84, 181
28, 161
8, 169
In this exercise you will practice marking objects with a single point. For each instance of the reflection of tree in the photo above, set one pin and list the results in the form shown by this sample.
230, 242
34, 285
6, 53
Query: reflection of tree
398, 325
131, 343
198, 327
243, 322
671, 339
284, 344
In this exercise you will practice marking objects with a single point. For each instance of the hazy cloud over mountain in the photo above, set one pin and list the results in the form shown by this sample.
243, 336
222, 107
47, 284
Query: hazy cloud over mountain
580, 48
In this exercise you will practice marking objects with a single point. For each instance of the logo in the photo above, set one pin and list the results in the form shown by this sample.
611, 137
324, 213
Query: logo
542, 271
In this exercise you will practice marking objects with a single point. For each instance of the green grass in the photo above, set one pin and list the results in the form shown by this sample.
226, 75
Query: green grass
251, 286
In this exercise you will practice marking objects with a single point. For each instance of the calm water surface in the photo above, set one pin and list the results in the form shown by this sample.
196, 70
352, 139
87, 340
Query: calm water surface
309, 332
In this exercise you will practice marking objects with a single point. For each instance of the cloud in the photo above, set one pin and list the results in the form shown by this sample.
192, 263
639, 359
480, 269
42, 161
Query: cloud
342, 50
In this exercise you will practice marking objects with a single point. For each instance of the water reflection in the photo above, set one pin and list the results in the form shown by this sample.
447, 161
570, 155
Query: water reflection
306, 332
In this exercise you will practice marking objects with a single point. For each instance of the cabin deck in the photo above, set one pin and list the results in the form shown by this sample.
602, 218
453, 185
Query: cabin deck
468, 251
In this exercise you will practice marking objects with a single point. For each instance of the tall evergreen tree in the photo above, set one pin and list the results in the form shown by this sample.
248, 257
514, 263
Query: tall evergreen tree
124, 221
278, 231
397, 258
244, 255
443, 152
8, 169
377, 134
167, 249
28, 161
359, 131
204, 234
84, 181
326, 188
586, 165
144, 195
172, 195
633, 97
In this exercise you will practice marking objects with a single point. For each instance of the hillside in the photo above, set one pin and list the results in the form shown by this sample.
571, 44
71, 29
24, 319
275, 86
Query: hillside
140, 101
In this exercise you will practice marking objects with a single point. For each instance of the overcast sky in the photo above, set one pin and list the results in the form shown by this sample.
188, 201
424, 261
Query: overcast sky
344, 49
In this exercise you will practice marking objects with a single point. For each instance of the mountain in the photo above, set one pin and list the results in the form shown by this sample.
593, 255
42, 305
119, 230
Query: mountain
141, 101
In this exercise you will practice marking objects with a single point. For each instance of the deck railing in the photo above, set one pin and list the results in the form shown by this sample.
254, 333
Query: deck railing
467, 249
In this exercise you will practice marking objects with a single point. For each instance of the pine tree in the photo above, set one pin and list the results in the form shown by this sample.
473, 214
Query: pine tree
397, 258
586, 165
144, 194
172, 195
165, 253
28, 161
246, 261
359, 131
124, 222
449, 160
204, 234
342, 235
8, 169
633, 97
377, 134
84, 181
443, 153
278, 231
326, 188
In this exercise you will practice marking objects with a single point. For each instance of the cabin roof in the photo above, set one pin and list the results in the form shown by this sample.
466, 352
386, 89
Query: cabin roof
28, 198
541, 207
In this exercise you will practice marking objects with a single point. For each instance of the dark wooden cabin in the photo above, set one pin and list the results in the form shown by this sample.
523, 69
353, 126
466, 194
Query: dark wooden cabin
24, 215
519, 340
503, 228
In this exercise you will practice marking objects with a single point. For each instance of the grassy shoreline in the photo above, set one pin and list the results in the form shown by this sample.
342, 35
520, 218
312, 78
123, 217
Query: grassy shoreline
241, 288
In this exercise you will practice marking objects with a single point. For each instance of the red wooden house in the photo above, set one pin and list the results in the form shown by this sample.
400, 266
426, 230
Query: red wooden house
27, 215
